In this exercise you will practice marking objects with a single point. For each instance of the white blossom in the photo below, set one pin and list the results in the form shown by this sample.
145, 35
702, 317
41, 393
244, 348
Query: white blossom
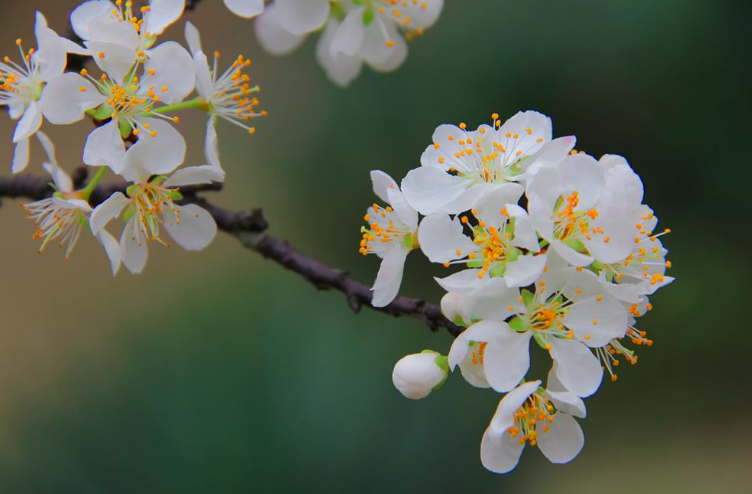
62, 217
540, 417
391, 235
150, 206
22, 85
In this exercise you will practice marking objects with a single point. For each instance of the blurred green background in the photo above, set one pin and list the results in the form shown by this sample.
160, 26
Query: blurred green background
220, 372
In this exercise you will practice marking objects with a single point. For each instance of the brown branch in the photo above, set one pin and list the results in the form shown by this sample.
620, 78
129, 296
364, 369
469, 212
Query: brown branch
249, 227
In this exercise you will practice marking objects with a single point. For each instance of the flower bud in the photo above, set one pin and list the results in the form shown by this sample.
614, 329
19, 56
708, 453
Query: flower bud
415, 376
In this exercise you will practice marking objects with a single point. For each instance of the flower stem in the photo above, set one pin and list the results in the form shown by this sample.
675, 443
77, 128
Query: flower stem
197, 103
86, 192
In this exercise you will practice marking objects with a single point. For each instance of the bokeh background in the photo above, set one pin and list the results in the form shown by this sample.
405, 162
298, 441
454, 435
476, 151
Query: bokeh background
220, 372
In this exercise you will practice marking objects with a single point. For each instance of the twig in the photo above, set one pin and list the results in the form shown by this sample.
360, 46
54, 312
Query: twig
249, 227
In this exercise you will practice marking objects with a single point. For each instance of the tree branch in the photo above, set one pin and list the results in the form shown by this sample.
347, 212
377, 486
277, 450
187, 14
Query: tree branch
249, 227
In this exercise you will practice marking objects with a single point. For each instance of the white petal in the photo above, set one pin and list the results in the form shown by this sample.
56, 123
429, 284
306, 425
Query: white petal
63, 101
495, 301
29, 123
507, 360
563, 441
503, 418
111, 31
303, 16
193, 175
115, 60
524, 230
402, 209
489, 206
463, 282
104, 147
349, 35
194, 229
204, 84
133, 248
245, 8
389, 277
20, 156
112, 249
162, 14
500, 452
62, 180
174, 72
567, 402
441, 237
381, 183
524, 270
211, 148
483, 331
342, 69
85, 13
570, 255
157, 155
596, 323
193, 38
584, 175
430, 190
107, 211
383, 48
273, 36
577, 368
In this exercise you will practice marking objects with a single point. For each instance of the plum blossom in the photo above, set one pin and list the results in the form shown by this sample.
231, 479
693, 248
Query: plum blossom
22, 86
125, 98
151, 208
391, 235
62, 217
416, 375
228, 95
503, 242
355, 33
534, 415
461, 166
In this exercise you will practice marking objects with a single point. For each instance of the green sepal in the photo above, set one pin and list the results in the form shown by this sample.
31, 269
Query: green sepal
498, 270
128, 214
576, 245
82, 219
338, 11
133, 190
58, 195
527, 297
443, 362
540, 341
474, 264
158, 180
125, 129
518, 324
369, 15
513, 254
175, 195
102, 112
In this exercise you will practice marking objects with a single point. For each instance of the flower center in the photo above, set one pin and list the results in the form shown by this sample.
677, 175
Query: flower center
385, 228
537, 412
232, 94
19, 82
56, 222
149, 202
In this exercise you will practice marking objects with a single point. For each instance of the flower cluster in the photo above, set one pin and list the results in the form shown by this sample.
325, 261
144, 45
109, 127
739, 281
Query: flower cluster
139, 85
353, 32
553, 246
